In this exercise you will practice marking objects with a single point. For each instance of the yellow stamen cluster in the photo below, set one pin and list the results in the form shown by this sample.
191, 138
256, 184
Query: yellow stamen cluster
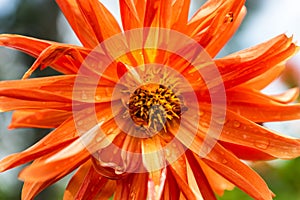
152, 105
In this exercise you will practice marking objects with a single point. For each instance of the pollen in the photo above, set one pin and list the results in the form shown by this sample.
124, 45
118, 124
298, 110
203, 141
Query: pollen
152, 105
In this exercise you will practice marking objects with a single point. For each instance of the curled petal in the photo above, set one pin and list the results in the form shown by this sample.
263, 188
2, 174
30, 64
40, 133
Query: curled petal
31, 46
243, 94
64, 63
287, 97
263, 108
51, 55
245, 65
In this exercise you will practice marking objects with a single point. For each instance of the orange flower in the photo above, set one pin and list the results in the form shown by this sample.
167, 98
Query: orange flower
143, 112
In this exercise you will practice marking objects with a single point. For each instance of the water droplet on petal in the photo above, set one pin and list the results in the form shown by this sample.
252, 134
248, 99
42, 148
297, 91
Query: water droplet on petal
80, 122
132, 195
168, 153
174, 145
83, 95
201, 113
115, 151
224, 161
98, 98
99, 139
236, 124
93, 188
262, 144
245, 136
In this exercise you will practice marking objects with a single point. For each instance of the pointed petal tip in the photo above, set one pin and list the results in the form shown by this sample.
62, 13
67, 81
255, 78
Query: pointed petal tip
5, 164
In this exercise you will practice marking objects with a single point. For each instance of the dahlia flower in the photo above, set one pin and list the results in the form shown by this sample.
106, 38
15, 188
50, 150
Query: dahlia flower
144, 110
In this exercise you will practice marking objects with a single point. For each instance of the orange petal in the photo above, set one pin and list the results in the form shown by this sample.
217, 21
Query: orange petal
204, 16
29, 45
180, 12
132, 13
131, 153
134, 186
218, 183
41, 89
76, 181
156, 183
222, 27
259, 107
31, 189
178, 170
35, 47
64, 161
50, 55
223, 34
57, 139
58, 91
201, 179
266, 78
241, 131
245, 65
243, 95
152, 154
158, 14
246, 153
88, 184
45, 118
79, 23
287, 97
230, 167
8, 104
107, 191
171, 189
99, 18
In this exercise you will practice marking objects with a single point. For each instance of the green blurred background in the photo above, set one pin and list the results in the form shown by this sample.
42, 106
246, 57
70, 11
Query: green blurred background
42, 19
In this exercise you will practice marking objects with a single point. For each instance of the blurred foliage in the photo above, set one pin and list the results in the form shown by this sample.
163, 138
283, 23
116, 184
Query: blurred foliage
34, 18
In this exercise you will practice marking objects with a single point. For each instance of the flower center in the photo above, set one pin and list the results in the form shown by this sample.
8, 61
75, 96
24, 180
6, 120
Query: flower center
151, 105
